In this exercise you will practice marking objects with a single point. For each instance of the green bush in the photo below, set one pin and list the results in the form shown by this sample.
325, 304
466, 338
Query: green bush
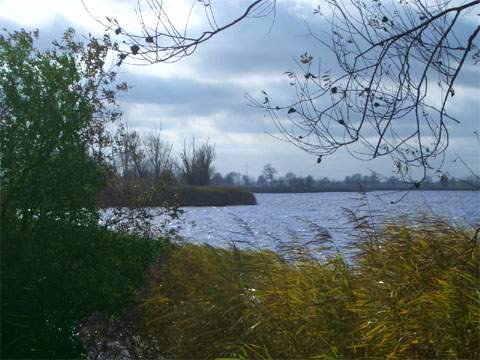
409, 292
57, 275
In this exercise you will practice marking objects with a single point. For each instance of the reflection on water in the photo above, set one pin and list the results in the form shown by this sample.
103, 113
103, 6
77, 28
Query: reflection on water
280, 217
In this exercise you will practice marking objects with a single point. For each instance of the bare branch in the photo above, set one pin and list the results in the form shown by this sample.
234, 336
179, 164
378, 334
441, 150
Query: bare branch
159, 39
398, 63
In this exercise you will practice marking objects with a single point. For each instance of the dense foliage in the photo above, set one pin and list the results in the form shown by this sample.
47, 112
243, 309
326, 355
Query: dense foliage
57, 264
57, 275
408, 292
44, 129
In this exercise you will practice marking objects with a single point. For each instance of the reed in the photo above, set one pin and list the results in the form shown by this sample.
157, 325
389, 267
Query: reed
403, 292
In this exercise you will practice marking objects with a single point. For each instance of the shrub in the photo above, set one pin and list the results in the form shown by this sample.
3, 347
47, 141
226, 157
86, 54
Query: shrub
410, 292
64, 274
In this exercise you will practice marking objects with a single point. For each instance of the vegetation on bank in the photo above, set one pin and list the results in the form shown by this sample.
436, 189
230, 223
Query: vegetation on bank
134, 196
55, 275
146, 164
406, 292
58, 265
213, 196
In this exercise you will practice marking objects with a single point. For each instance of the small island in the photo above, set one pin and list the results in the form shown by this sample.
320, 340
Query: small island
213, 196
180, 196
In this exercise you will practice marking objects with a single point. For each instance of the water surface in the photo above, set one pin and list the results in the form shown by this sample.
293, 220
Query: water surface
280, 217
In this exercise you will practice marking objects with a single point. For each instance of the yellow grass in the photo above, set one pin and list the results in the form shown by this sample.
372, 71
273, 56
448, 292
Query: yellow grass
410, 292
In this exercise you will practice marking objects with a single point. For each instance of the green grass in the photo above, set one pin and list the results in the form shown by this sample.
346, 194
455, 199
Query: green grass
409, 292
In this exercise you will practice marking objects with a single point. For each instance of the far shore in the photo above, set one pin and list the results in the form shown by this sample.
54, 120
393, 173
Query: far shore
312, 191
180, 196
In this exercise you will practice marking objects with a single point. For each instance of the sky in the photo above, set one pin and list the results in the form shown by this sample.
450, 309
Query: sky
204, 95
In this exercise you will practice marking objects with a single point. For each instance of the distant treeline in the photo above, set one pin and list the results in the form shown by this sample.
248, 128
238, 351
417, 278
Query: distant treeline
146, 171
269, 182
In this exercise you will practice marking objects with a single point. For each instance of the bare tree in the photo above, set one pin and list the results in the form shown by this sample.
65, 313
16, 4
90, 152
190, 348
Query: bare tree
398, 62
246, 181
137, 153
232, 178
130, 151
121, 153
196, 163
291, 178
158, 155
269, 173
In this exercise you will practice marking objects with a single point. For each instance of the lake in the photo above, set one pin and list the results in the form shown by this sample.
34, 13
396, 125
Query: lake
281, 217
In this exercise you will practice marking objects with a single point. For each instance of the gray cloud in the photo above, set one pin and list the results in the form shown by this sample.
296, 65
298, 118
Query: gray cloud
206, 96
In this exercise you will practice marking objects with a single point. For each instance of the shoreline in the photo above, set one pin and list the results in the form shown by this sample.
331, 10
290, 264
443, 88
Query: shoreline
282, 191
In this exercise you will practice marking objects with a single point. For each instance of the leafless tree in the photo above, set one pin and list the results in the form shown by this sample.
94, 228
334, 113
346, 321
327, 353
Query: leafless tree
398, 64
137, 153
196, 163
131, 153
121, 153
159, 157
269, 173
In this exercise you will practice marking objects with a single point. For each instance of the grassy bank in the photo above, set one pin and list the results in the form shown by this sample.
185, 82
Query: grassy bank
410, 292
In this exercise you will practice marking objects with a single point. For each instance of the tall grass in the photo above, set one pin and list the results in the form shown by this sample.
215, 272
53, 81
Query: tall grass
406, 292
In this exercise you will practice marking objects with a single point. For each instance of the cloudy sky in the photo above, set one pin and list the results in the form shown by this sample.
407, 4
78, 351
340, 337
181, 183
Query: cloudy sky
204, 95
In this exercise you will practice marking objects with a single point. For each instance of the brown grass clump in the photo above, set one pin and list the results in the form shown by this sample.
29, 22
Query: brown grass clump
408, 292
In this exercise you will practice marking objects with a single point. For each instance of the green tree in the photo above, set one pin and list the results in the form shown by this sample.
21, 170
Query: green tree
53, 126
58, 264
